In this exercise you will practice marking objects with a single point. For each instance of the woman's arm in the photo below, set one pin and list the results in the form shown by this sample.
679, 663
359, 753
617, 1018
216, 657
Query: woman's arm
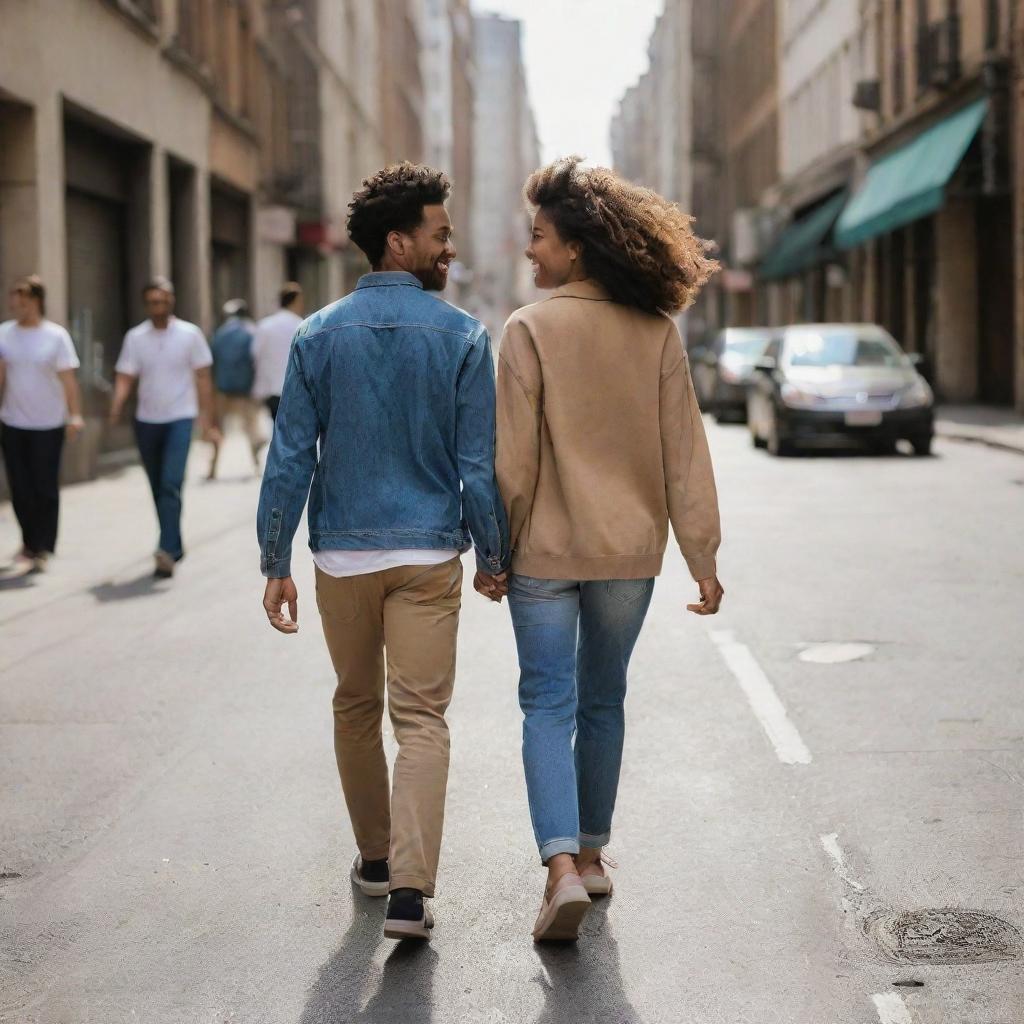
519, 420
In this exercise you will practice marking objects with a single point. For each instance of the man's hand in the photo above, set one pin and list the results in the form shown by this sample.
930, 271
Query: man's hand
115, 415
494, 587
711, 594
278, 593
74, 426
211, 434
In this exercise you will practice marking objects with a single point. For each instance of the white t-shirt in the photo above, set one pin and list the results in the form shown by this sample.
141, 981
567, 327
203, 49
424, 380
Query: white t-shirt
358, 563
270, 347
33, 356
165, 362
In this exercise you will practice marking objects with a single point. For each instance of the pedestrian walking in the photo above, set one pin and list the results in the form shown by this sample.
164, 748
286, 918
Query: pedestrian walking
600, 447
271, 345
388, 408
170, 361
40, 405
233, 376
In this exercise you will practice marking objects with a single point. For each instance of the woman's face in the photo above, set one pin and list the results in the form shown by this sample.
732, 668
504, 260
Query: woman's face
554, 262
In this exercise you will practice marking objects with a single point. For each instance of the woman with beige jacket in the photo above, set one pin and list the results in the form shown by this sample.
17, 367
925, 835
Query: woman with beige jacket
600, 447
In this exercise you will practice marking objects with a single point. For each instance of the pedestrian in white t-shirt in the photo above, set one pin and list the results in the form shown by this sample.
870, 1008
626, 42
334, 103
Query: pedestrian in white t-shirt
170, 360
40, 405
271, 345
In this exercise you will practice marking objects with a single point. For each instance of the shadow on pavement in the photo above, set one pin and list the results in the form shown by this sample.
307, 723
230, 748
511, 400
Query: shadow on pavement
141, 587
406, 989
22, 581
584, 979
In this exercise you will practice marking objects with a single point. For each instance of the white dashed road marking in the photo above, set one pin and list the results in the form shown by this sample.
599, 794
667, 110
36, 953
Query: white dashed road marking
891, 1008
830, 844
763, 699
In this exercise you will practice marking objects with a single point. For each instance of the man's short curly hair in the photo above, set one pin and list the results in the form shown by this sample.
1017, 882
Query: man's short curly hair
640, 247
393, 200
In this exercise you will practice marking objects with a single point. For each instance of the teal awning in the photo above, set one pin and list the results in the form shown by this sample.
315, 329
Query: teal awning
909, 183
802, 244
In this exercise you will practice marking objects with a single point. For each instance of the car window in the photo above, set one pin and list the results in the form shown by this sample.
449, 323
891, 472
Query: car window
773, 349
747, 346
841, 348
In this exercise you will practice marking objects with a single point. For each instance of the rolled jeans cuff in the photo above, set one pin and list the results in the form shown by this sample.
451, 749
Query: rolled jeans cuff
595, 842
555, 846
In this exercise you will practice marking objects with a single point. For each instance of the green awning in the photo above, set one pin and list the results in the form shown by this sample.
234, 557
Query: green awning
909, 183
802, 244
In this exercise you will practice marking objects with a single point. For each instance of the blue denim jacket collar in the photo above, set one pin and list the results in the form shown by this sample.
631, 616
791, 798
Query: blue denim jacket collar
382, 278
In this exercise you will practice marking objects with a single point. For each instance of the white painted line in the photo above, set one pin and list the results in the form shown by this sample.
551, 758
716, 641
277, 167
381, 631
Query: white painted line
763, 699
891, 1008
830, 844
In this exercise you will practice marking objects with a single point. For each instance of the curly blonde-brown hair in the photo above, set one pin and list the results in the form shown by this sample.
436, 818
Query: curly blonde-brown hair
640, 247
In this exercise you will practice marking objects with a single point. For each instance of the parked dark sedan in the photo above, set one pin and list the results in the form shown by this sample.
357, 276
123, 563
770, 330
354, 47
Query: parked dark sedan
723, 369
827, 384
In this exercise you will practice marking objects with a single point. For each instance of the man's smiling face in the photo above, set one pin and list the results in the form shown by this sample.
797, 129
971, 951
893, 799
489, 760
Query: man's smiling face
431, 249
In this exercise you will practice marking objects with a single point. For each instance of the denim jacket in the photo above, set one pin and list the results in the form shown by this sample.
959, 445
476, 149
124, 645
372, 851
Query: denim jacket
387, 406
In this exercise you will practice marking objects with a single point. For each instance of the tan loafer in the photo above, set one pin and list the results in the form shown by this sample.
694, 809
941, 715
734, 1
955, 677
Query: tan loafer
562, 911
596, 880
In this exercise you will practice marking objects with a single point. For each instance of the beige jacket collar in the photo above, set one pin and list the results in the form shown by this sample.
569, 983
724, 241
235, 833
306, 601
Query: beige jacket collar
586, 289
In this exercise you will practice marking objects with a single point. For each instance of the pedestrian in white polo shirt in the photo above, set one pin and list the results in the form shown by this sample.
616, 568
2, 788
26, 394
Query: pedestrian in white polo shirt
40, 405
170, 360
271, 344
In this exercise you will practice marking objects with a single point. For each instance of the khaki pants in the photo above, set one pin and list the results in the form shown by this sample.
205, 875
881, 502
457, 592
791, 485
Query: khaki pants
406, 618
248, 411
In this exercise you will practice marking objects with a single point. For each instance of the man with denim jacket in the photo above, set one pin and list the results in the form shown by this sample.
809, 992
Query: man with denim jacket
386, 423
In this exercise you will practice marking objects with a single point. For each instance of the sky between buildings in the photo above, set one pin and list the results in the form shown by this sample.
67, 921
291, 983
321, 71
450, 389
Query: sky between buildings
581, 55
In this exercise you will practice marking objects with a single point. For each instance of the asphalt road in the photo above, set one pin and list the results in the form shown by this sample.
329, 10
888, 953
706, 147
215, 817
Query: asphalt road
173, 844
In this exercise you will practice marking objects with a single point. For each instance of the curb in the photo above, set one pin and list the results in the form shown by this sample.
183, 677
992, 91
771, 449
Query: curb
988, 442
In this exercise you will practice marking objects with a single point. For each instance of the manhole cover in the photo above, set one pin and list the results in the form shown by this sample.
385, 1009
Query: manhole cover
947, 936
833, 654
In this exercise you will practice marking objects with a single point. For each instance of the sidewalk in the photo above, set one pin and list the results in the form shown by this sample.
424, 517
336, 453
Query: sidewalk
981, 424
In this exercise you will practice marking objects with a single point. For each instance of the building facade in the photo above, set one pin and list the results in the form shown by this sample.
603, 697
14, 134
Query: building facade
505, 150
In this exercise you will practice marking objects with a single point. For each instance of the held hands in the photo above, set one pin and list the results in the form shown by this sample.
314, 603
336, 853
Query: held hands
279, 593
493, 587
711, 594
211, 433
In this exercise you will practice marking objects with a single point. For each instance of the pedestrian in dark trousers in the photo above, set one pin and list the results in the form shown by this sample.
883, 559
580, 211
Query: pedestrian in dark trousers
388, 410
40, 405
170, 361
594, 389
271, 345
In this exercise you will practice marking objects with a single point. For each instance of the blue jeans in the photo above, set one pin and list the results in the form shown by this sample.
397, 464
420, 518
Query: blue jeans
575, 640
164, 450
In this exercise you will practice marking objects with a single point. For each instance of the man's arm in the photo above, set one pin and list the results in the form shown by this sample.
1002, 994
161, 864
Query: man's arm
291, 463
474, 445
3, 377
73, 397
689, 476
123, 385
204, 390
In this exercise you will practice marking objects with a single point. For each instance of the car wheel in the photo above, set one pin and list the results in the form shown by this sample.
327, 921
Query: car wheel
883, 447
775, 444
922, 445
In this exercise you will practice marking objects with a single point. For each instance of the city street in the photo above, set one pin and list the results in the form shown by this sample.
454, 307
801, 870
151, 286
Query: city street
810, 777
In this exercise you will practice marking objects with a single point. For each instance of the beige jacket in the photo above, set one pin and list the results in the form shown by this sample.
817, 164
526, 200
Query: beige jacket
600, 442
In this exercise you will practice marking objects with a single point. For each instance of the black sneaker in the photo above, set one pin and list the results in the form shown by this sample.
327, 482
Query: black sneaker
372, 876
407, 917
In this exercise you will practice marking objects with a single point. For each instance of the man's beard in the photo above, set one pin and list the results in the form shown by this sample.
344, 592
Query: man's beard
433, 278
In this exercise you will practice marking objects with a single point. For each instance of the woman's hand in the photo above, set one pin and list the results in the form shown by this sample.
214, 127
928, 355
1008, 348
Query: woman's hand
494, 587
711, 594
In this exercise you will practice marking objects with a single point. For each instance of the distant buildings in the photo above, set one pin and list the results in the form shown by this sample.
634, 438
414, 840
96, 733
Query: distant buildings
505, 152
855, 160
